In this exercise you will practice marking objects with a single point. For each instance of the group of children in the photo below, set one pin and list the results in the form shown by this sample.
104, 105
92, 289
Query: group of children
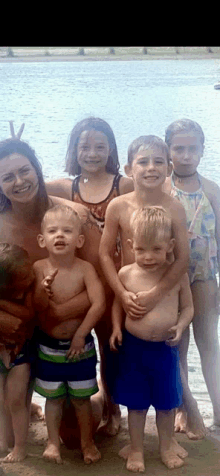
161, 228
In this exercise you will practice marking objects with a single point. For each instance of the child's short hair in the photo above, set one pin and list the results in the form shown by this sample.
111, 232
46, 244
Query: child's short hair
12, 257
65, 210
183, 125
153, 224
88, 124
140, 144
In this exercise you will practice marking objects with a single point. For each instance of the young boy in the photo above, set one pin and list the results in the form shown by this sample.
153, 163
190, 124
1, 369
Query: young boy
148, 355
66, 363
148, 165
16, 278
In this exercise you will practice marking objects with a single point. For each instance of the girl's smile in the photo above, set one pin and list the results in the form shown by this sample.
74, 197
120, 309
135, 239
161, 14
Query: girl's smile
92, 151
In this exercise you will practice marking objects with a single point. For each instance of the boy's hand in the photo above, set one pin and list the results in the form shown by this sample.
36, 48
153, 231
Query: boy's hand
175, 336
115, 339
76, 347
48, 281
132, 309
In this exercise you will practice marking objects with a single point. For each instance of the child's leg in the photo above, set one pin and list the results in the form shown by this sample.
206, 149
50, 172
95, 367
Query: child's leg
83, 411
16, 395
53, 415
165, 426
112, 415
135, 457
181, 416
3, 415
205, 327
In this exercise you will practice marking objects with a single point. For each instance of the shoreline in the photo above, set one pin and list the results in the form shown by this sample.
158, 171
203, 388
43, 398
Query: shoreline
116, 57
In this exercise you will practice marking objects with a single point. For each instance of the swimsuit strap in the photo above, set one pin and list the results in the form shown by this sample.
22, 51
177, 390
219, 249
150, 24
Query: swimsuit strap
115, 186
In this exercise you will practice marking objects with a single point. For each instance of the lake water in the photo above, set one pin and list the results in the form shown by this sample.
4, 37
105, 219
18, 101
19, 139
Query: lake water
134, 97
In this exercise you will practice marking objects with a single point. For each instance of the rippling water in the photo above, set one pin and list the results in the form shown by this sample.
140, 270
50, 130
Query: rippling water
135, 98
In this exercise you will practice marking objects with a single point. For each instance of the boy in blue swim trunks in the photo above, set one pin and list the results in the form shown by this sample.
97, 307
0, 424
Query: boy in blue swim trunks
16, 279
66, 363
148, 371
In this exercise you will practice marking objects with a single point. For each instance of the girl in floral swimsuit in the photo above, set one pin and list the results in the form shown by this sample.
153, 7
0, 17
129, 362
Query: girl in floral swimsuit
92, 158
201, 199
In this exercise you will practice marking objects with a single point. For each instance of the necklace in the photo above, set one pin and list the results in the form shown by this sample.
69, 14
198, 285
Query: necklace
181, 177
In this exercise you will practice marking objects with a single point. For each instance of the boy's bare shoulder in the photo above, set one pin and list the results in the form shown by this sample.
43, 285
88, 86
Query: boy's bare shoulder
84, 265
40, 265
125, 270
118, 203
173, 205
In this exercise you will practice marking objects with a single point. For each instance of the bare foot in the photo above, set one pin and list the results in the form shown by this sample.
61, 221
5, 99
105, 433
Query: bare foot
125, 451
91, 454
135, 462
180, 421
177, 449
36, 412
15, 455
52, 454
171, 459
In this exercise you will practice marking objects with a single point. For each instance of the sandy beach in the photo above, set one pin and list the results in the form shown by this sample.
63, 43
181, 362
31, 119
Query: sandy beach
203, 458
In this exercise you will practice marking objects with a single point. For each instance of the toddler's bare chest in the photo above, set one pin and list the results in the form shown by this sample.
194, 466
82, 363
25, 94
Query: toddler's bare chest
66, 285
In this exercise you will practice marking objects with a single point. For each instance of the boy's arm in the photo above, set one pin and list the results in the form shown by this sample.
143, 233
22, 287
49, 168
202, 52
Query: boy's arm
71, 309
106, 248
96, 296
178, 267
117, 316
186, 312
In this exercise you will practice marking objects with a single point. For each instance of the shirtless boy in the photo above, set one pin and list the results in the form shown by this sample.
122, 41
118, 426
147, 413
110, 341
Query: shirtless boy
148, 165
16, 279
149, 355
66, 363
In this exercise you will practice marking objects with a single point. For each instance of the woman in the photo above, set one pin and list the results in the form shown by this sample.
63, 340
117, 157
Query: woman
23, 202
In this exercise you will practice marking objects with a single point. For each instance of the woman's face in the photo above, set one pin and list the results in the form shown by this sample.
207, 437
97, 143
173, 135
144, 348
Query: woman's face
18, 178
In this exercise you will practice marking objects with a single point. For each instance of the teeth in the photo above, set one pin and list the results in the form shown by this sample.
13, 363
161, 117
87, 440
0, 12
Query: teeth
21, 190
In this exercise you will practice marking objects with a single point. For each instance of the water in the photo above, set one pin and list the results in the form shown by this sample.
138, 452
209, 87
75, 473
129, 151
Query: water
135, 98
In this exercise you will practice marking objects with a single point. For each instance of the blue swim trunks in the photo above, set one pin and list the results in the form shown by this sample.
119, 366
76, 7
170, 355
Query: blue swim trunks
57, 377
148, 374
24, 357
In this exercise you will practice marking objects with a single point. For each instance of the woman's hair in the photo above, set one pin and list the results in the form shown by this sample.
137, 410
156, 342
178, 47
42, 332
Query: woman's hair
183, 125
12, 258
151, 224
89, 124
13, 146
142, 142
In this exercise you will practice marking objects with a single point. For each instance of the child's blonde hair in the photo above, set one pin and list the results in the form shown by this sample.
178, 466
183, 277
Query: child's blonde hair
153, 224
183, 125
65, 210
143, 142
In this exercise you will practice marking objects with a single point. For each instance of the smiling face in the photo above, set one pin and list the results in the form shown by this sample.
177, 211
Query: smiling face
61, 234
149, 168
92, 151
186, 151
18, 178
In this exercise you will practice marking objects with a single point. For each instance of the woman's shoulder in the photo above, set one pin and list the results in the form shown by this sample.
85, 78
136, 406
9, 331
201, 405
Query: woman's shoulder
60, 188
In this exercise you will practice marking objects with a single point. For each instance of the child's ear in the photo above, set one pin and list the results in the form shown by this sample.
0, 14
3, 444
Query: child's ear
41, 241
80, 241
130, 244
128, 171
171, 245
169, 169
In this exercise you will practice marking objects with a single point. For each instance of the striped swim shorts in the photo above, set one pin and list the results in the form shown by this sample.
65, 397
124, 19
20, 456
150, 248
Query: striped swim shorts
57, 377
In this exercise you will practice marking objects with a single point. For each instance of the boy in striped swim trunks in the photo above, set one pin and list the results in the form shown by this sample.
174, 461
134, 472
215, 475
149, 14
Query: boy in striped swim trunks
66, 362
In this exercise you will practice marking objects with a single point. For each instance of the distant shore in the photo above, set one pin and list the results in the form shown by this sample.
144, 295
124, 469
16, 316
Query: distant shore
48, 54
